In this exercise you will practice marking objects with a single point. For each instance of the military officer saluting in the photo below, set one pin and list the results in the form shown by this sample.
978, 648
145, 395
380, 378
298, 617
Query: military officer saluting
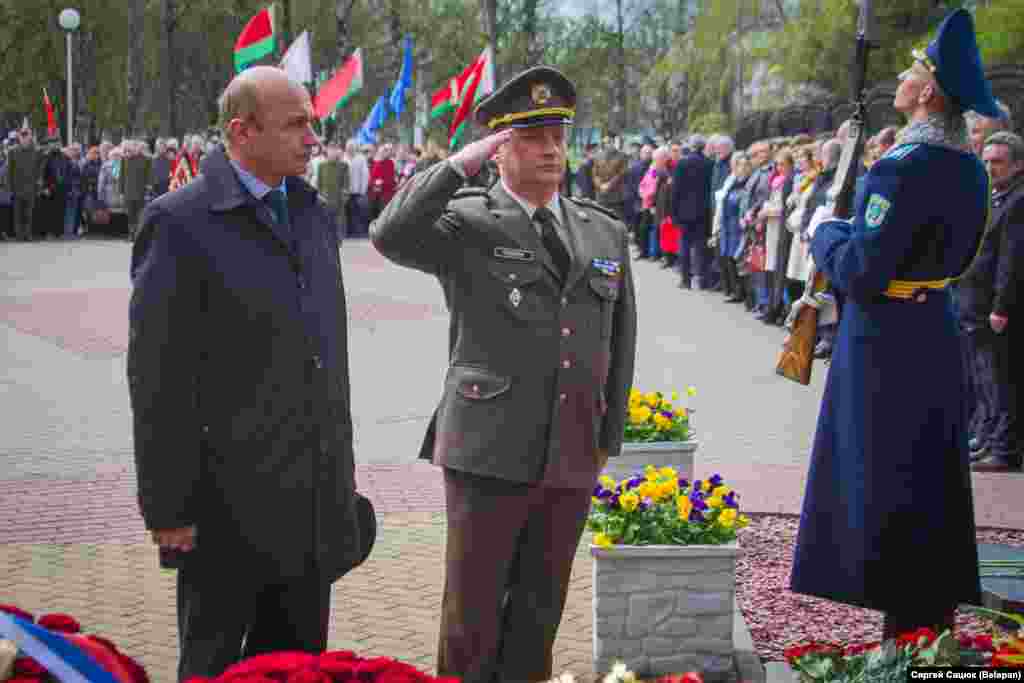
542, 341
889, 481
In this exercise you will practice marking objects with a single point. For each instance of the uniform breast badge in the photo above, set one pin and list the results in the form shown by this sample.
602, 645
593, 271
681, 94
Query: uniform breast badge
607, 267
515, 297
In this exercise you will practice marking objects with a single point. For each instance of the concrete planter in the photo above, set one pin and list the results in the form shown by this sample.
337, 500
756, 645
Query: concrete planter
665, 609
636, 456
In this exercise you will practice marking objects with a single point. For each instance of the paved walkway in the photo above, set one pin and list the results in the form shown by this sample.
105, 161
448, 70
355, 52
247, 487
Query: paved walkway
70, 535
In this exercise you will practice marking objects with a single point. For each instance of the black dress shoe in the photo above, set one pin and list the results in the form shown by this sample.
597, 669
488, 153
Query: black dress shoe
994, 463
734, 299
683, 284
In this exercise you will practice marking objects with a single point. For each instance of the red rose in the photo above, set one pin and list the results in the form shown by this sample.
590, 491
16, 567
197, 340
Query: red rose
983, 643
199, 679
26, 666
18, 612
251, 678
308, 676
278, 664
62, 623
19, 678
340, 665
368, 669
400, 672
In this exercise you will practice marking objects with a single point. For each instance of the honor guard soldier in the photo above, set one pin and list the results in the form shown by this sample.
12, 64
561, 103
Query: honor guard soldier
889, 482
542, 341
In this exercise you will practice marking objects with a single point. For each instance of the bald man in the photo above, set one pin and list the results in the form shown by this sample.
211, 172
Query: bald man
239, 382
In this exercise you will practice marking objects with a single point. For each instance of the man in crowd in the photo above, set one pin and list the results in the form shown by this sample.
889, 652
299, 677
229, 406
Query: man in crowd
544, 295
163, 165
72, 190
331, 179
640, 160
987, 296
585, 173
25, 177
239, 378
889, 482
980, 127
691, 211
359, 183
135, 178
610, 177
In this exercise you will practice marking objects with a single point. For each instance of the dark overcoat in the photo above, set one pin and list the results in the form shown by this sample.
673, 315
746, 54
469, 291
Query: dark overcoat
888, 494
691, 195
540, 369
239, 378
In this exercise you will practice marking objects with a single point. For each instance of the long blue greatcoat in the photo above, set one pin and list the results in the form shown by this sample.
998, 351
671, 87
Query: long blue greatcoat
888, 496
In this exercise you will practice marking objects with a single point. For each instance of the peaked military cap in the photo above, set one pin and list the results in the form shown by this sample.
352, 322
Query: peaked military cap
954, 60
540, 96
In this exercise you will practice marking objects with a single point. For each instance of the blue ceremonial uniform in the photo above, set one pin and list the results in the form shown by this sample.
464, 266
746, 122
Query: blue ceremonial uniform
889, 483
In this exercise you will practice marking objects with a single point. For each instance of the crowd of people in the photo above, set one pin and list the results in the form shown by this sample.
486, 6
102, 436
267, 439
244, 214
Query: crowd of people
740, 222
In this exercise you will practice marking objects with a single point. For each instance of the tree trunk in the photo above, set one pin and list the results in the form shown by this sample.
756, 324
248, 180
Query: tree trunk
534, 44
619, 106
489, 25
170, 27
136, 63
342, 16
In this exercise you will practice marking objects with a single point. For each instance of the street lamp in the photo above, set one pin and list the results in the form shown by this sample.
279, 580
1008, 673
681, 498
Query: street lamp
69, 20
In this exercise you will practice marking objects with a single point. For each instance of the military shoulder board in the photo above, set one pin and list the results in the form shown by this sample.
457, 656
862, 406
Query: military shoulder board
591, 204
901, 152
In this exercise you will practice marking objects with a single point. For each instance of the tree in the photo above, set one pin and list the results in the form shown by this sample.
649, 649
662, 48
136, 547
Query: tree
136, 65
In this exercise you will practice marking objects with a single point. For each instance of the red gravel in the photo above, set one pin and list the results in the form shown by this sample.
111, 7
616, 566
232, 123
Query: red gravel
778, 617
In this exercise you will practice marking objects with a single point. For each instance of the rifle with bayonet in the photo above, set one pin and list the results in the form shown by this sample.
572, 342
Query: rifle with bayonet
797, 357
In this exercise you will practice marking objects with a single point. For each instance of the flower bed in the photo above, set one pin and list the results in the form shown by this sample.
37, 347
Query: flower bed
654, 417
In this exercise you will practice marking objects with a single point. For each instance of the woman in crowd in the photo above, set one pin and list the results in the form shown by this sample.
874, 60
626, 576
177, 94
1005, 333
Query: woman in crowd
730, 237
647, 221
662, 201
90, 182
383, 180
108, 192
777, 238
799, 267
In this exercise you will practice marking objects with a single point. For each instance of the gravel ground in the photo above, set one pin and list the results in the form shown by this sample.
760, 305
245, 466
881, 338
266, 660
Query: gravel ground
778, 617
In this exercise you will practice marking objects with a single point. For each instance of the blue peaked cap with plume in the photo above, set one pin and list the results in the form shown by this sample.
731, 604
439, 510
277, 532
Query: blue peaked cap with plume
955, 61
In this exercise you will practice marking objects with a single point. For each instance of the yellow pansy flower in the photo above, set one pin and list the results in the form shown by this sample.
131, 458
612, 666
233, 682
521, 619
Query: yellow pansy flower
634, 393
629, 501
652, 399
726, 523
669, 472
680, 412
714, 502
705, 486
595, 500
647, 489
675, 395
684, 506
661, 422
691, 391
743, 521
606, 481
603, 540
728, 514
721, 491
644, 412
666, 489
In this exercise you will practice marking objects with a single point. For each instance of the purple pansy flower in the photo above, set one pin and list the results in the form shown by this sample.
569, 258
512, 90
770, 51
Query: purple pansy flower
715, 481
597, 491
696, 515
634, 482
697, 498
683, 483
730, 500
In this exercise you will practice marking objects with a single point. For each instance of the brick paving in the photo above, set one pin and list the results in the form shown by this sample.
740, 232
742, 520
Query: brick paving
70, 535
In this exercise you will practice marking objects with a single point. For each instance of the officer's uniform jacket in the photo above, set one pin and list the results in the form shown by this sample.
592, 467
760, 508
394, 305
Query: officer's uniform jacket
526, 351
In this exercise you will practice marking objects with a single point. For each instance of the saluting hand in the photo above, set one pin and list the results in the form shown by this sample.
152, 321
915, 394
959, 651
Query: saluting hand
473, 156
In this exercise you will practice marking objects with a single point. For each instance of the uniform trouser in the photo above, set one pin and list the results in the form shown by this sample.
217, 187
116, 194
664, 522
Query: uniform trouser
692, 258
507, 565
23, 207
134, 209
224, 617
996, 396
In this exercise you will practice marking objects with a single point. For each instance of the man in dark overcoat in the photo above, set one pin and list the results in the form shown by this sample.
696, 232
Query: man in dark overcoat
889, 485
542, 341
691, 211
239, 378
25, 165
986, 302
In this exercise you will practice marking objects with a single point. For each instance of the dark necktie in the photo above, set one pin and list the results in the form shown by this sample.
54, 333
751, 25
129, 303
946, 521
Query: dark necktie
552, 242
278, 204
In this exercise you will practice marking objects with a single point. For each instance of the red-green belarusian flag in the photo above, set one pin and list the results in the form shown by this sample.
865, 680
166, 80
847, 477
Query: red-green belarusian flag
256, 40
476, 82
443, 100
341, 87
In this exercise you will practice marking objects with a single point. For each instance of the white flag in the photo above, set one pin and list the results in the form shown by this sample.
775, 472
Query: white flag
296, 61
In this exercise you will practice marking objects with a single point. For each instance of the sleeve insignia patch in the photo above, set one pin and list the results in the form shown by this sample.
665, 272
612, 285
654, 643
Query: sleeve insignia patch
900, 151
878, 208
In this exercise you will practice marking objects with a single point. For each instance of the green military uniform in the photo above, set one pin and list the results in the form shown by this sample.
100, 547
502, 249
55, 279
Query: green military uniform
332, 181
540, 366
24, 177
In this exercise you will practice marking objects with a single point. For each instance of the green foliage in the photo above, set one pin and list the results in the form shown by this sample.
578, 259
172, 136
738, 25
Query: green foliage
710, 123
1000, 27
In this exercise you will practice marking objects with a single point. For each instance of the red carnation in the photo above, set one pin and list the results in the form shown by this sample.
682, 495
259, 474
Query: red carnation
915, 637
983, 643
400, 672
278, 664
368, 669
19, 678
308, 676
341, 665
199, 679
61, 623
26, 666
250, 678
18, 612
